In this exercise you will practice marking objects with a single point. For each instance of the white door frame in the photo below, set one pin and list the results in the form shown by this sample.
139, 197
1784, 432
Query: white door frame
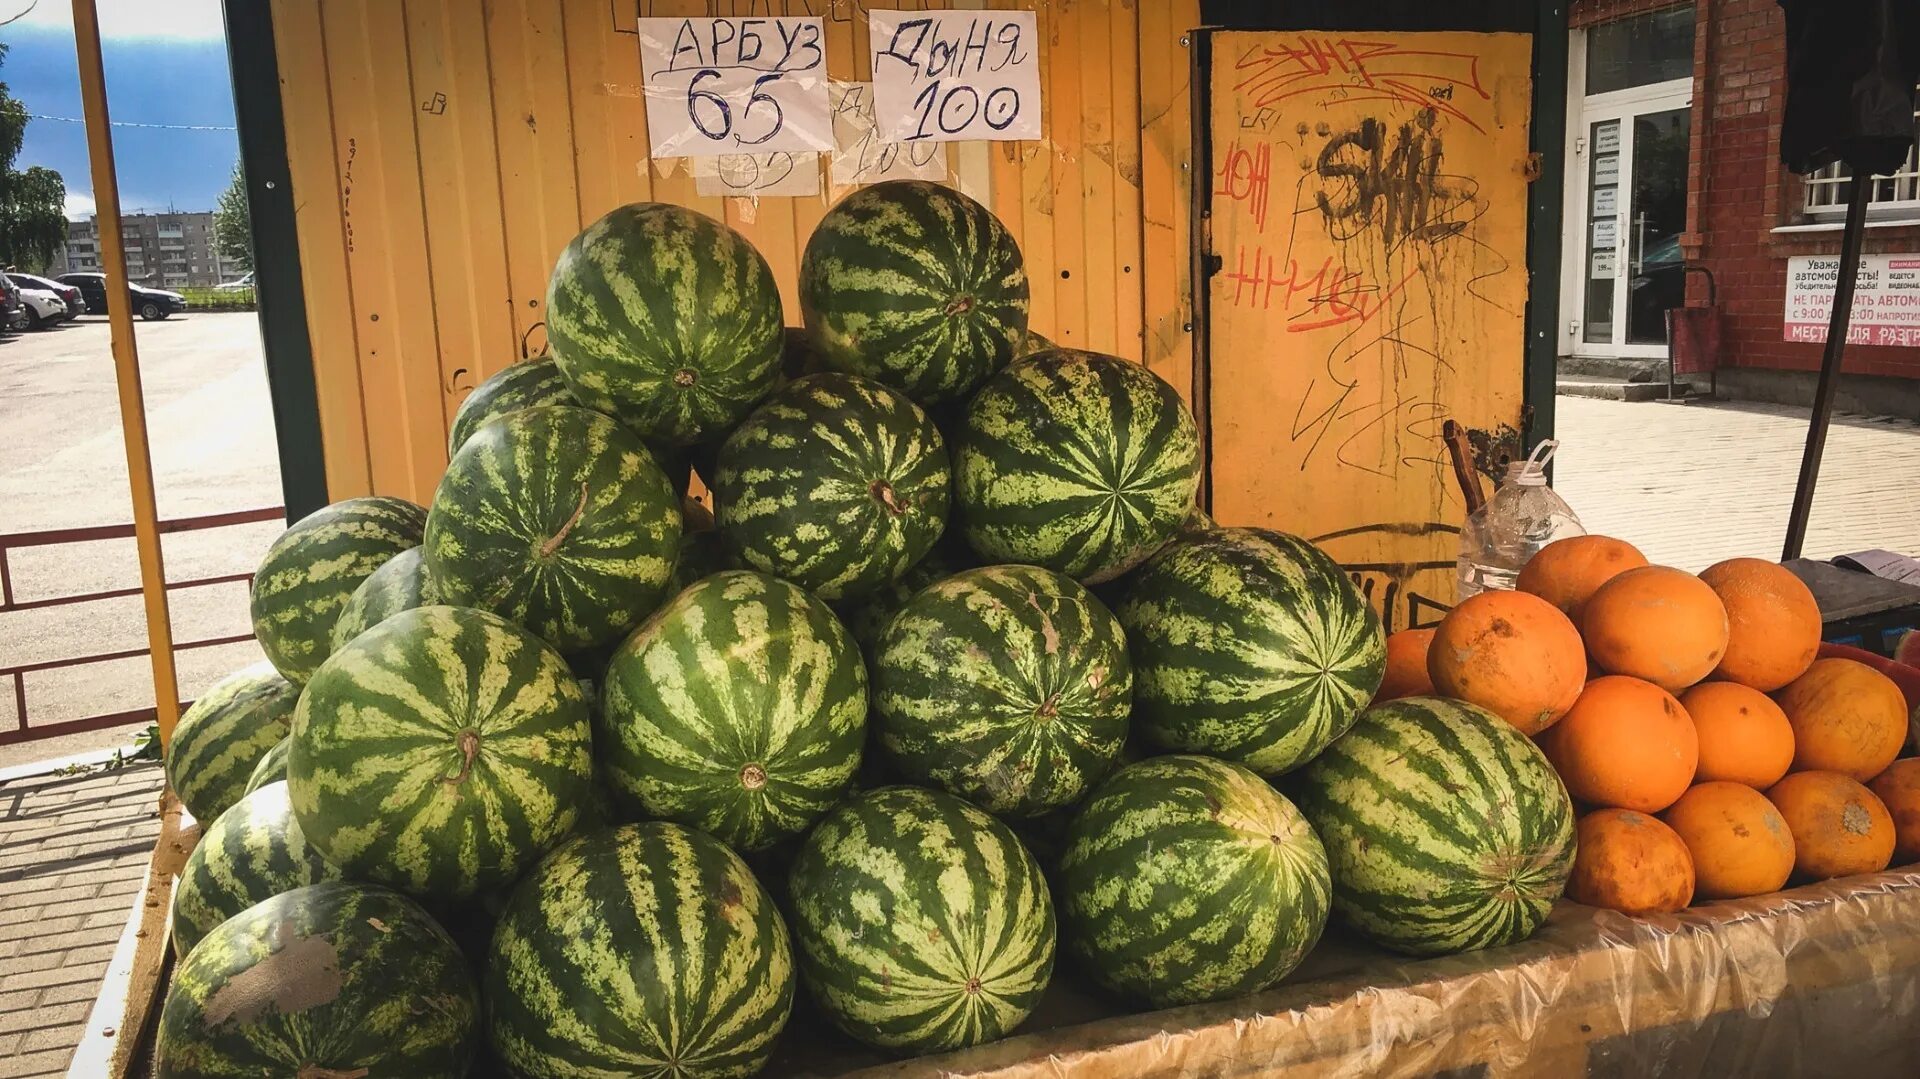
1582, 113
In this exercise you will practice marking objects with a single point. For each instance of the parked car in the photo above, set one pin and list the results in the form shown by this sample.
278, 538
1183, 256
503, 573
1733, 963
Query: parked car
44, 309
12, 308
76, 305
148, 303
245, 282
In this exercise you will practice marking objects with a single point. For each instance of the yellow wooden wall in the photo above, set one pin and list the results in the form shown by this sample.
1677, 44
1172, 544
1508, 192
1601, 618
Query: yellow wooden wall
444, 151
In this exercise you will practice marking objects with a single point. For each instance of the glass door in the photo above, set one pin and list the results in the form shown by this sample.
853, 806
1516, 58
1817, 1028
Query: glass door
1633, 155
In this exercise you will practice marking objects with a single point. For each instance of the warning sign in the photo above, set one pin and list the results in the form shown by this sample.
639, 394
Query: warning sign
1886, 300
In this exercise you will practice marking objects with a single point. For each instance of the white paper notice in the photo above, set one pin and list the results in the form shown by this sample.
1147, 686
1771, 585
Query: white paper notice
1606, 264
949, 76
731, 86
779, 173
860, 156
1606, 234
1606, 201
1606, 169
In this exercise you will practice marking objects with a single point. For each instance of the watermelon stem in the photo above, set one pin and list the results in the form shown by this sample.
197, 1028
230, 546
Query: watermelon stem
753, 777
882, 492
552, 545
960, 305
1049, 708
469, 749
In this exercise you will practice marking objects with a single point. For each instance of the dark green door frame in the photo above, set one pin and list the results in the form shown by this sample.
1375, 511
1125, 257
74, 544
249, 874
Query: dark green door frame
276, 255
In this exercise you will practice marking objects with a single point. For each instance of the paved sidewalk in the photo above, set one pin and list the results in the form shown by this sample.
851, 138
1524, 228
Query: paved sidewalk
73, 855
1693, 484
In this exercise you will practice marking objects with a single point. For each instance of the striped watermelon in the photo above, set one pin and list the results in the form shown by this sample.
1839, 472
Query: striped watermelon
667, 320
866, 616
1008, 685
442, 752
836, 483
1075, 461
1250, 645
558, 519
249, 854
322, 982
219, 740
1446, 828
1188, 879
273, 763
530, 384
647, 950
922, 923
400, 585
740, 709
917, 285
313, 568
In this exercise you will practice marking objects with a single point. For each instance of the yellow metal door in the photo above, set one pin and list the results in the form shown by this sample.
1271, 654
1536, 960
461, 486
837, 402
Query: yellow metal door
1368, 230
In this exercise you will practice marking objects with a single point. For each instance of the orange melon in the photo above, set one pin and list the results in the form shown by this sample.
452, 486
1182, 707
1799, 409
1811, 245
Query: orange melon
1626, 743
1744, 736
1511, 653
1847, 718
1656, 623
1406, 665
1567, 572
1630, 862
1839, 827
1740, 843
1773, 622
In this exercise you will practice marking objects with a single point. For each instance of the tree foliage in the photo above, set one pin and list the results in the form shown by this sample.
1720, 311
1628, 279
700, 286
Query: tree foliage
33, 219
230, 223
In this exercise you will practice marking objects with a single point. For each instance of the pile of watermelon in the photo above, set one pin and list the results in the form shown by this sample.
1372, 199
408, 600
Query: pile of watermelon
939, 681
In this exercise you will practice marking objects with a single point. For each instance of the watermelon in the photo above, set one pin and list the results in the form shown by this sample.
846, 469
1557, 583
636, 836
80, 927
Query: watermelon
440, 752
1446, 828
916, 285
1188, 879
837, 483
313, 569
1249, 645
273, 763
739, 709
220, 739
922, 923
667, 320
558, 519
322, 982
1075, 461
400, 585
529, 384
866, 616
249, 854
1007, 685
647, 950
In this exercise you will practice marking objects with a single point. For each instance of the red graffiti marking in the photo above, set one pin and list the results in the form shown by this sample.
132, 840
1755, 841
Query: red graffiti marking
1362, 71
1332, 295
1245, 176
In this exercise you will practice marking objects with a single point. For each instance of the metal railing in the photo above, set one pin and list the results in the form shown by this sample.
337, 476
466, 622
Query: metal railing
17, 674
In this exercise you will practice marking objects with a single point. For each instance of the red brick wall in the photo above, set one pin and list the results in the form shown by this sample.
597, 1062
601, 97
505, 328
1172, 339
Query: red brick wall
1588, 12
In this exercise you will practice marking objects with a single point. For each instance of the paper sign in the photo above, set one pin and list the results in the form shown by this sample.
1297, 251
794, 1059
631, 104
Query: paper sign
1886, 300
947, 76
730, 86
1606, 234
1606, 264
1606, 201
1606, 169
860, 156
780, 173
1606, 138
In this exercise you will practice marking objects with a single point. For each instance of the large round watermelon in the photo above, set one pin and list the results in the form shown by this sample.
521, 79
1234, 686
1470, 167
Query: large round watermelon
666, 319
249, 854
558, 519
1007, 685
330, 980
1075, 461
647, 950
866, 616
273, 763
922, 923
917, 285
1446, 829
220, 739
530, 384
1188, 879
1249, 645
442, 752
836, 483
740, 709
400, 585
313, 568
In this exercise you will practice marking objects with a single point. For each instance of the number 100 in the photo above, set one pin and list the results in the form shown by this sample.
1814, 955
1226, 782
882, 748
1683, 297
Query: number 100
947, 108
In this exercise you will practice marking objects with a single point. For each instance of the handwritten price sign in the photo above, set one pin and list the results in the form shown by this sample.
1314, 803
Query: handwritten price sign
735, 86
948, 76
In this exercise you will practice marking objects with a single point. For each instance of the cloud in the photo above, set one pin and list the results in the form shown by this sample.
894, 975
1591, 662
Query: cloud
178, 20
79, 204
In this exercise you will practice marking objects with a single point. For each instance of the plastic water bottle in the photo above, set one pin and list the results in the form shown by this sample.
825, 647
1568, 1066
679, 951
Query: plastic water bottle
1522, 517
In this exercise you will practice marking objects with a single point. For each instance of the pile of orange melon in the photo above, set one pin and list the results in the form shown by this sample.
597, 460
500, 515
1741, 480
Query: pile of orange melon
1711, 754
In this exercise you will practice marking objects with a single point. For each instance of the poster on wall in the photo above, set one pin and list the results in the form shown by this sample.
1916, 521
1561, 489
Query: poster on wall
1886, 300
948, 76
717, 86
861, 156
752, 175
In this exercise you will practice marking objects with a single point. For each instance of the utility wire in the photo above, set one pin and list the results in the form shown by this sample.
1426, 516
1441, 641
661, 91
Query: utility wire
130, 123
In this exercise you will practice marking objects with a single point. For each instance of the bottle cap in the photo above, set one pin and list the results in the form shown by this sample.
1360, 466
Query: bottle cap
1532, 472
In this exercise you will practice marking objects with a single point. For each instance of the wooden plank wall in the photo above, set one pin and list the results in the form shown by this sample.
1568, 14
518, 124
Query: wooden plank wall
443, 152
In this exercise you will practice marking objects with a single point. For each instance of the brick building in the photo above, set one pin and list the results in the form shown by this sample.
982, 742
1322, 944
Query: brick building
171, 251
1674, 117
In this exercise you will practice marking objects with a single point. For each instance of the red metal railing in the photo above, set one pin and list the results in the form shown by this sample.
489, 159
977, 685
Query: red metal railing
26, 731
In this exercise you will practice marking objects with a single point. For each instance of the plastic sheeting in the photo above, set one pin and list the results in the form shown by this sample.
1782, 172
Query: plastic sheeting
1818, 980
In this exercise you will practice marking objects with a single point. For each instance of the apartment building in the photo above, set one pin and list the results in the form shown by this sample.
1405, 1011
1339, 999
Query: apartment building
170, 250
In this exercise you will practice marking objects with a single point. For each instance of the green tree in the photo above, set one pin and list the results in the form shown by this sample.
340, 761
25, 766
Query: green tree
33, 218
230, 224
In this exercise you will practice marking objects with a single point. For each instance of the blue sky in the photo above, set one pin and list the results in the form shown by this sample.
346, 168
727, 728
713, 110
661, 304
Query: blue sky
166, 63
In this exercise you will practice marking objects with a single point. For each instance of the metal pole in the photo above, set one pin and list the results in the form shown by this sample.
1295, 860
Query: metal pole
126, 367
1837, 324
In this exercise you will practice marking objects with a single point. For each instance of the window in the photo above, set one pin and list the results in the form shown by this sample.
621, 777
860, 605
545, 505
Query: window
1830, 189
1639, 51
